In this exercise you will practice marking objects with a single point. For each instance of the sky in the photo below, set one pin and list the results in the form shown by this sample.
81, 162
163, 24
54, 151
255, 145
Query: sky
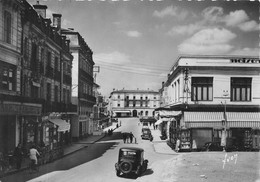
136, 42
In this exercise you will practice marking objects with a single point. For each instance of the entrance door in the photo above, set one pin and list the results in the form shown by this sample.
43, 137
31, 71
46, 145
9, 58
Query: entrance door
134, 113
201, 136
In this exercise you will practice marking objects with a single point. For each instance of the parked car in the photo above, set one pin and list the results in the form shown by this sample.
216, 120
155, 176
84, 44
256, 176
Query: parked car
212, 146
147, 134
131, 160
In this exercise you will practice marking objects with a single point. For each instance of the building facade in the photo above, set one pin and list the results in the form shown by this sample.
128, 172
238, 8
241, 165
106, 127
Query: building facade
82, 84
212, 98
133, 103
35, 78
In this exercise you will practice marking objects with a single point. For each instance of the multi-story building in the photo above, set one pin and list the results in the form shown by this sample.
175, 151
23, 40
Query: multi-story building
135, 103
82, 84
209, 98
35, 78
10, 76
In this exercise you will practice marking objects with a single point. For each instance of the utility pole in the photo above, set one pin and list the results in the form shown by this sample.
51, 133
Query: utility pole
186, 85
225, 94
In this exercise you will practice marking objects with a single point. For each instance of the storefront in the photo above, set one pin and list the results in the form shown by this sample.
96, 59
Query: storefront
242, 128
18, 124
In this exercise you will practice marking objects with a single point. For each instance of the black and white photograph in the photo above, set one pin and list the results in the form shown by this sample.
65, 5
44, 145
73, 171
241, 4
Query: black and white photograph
129, 91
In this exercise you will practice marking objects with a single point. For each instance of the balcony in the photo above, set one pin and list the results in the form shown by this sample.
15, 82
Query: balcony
87, 97
59, 107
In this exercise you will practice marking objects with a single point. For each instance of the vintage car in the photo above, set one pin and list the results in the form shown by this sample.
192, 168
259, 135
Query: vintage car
146, 134
131, 161
212, 146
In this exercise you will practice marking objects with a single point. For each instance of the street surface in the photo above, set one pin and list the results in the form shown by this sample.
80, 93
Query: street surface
96, 163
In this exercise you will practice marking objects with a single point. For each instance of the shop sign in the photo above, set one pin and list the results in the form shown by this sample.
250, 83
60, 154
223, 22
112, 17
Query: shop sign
245, 60
15, 109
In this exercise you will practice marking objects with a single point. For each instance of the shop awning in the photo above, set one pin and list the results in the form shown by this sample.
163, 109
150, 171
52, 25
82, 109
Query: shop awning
165, 113
162, 120
214, 119
158, 122
62, 124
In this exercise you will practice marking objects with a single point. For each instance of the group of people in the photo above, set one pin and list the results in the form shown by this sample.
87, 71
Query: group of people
128, 137
19, 153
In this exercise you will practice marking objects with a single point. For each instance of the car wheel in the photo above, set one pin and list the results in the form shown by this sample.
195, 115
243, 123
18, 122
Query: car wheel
126, 167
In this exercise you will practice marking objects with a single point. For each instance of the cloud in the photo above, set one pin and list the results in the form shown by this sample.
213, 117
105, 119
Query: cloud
133, 33
240, 19
112, 58
171, 11
184, 29
168, 11
246, 52
249, 26
208, 41
212, 13
235, 18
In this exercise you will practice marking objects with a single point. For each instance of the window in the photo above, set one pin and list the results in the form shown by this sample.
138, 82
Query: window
146, 113
118, 96
34, 56
134, 97
49, 59
56, 90
48, 92
7, 27
241, 89
64, 95
34, 91
118, 105
56, 64
7, 77
202, 88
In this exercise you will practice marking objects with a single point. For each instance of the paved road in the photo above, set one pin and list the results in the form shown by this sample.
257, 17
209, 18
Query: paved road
96, 162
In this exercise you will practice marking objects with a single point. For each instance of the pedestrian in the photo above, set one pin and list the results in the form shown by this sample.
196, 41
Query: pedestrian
124, 137
33, 156
131, 137
177, 146
18, 156
153, 126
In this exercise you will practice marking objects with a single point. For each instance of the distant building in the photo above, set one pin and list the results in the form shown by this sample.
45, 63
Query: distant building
204, 95
133, 103
83, 94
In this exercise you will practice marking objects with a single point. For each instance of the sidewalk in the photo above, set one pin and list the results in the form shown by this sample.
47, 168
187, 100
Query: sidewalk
161, 146
68, 149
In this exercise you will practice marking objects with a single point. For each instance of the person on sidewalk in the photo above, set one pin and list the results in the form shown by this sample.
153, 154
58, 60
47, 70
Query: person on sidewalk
177, 146
124, 137
33, 156
131, 136
18, 156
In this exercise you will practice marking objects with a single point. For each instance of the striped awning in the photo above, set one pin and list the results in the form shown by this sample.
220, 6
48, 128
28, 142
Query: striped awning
214, 119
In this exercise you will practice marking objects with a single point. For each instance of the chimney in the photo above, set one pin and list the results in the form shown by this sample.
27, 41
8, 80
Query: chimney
57, 21
40, 9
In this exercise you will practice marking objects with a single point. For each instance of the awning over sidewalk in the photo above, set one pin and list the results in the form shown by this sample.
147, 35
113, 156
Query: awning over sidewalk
62, 124
214, 119
165, 113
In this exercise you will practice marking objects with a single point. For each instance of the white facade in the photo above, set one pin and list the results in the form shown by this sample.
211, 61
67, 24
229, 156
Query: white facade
134, 102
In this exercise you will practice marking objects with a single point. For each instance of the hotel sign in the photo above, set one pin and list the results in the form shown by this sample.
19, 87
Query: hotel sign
16, 109
245, 60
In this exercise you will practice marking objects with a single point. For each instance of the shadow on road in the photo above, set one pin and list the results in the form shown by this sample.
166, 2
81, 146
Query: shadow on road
133, 176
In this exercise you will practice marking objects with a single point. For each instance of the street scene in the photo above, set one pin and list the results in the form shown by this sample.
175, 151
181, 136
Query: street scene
129, 90
96, 162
